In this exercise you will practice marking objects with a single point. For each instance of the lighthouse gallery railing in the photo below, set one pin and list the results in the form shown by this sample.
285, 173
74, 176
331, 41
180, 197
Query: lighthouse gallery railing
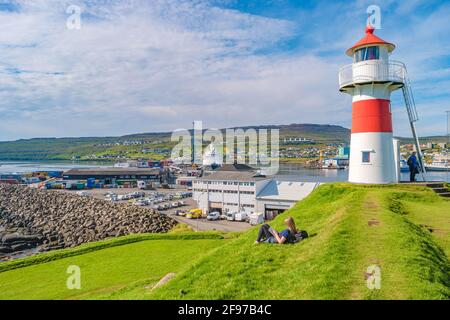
372, 71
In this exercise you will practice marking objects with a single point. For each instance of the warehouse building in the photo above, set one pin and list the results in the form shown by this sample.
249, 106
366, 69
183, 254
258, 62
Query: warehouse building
231, 188
279, 196
114, 175
236, 188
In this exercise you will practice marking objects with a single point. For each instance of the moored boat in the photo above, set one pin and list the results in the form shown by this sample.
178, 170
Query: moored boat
438, 166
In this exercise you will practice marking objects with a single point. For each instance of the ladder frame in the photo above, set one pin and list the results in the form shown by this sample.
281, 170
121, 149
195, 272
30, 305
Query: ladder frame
413, 117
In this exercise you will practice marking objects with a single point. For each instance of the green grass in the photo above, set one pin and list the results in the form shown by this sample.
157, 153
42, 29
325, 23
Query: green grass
332, 263
105, 273
178, 233
402, 229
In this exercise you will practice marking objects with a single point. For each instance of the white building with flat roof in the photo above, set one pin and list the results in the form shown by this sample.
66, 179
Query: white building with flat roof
231, 188
236, 188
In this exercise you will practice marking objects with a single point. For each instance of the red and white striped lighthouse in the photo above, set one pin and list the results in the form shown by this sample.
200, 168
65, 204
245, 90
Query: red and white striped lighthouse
370, 79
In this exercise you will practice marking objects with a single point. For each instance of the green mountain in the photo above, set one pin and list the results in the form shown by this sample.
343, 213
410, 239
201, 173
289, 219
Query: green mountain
154, 145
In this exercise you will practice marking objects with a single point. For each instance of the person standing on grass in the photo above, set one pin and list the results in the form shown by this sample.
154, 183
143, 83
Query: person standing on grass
269, 235
413, 166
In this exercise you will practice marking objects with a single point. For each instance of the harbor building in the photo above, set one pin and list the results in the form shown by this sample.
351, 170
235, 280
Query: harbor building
115, 175
238, 188
279, 196
230, 188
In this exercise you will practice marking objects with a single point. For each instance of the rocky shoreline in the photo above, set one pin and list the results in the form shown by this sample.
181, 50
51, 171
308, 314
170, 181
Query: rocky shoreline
43, 220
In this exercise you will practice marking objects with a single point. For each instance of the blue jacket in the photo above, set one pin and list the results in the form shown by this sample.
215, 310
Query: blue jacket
413, 163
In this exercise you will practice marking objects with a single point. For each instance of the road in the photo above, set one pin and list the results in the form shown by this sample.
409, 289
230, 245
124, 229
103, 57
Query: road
218, 225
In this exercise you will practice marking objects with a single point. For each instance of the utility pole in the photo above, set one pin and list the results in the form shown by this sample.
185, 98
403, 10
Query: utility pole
193, 144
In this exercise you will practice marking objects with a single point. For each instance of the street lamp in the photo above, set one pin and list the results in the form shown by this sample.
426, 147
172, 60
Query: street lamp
201, 194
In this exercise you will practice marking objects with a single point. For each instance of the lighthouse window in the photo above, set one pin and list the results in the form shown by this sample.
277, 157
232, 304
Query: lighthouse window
366, 156
367, 53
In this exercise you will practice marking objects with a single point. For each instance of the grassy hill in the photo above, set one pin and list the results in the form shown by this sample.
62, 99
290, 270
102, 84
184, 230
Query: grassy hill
405, 230
154, 145
157, 145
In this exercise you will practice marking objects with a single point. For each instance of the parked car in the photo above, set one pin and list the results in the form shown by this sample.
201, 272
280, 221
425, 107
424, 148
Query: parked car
140, 203
231, 216
213, 215
241, 216
111, 197
223, 216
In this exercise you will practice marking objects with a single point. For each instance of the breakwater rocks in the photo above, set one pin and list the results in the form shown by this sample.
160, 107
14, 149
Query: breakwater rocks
49, 220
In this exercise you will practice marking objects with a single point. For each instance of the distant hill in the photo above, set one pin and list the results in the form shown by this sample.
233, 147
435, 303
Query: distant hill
154, 145
435, 139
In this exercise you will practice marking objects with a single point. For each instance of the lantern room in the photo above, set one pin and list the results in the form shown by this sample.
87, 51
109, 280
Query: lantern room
371, 63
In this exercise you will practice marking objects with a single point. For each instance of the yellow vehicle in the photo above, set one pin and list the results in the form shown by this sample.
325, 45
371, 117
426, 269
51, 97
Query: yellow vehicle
194, 214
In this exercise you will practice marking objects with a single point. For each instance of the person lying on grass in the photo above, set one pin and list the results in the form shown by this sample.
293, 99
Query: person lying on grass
290, 235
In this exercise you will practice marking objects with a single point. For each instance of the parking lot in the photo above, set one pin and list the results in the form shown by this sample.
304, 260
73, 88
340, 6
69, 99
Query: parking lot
200, 224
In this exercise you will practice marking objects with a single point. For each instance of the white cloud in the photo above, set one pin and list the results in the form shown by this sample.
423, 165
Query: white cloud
140, 66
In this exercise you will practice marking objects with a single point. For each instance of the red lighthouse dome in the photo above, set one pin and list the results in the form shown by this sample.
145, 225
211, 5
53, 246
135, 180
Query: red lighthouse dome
368, 40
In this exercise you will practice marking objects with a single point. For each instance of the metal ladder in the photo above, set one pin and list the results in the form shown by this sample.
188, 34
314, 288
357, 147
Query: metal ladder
413, 117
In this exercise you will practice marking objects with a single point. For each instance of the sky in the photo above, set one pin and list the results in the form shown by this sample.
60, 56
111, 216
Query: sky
143, 66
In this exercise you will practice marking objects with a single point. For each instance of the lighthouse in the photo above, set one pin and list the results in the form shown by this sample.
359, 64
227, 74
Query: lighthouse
370, 79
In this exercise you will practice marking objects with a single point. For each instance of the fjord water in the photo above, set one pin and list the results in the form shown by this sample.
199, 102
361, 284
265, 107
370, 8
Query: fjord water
287, 171
32, 166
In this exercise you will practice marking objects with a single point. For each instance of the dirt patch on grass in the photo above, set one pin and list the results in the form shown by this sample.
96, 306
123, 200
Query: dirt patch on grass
162, 282
373, 223
371, 204
437, 231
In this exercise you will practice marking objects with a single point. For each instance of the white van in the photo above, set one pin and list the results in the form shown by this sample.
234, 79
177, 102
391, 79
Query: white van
231, 215
213, 215
256, 218
241, 216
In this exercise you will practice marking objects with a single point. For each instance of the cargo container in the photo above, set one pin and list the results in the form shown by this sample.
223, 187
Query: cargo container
80, 186
90, 183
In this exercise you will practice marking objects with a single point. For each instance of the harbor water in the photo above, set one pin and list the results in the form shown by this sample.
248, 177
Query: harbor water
287, 171
21, 167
